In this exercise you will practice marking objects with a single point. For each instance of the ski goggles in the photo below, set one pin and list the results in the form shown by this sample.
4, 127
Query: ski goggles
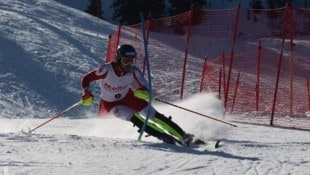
128, 60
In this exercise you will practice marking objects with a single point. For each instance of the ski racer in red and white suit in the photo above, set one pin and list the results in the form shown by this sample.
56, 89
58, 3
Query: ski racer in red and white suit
118, 80
117, 89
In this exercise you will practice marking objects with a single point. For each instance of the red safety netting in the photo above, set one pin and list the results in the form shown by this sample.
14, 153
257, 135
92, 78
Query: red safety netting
256, 60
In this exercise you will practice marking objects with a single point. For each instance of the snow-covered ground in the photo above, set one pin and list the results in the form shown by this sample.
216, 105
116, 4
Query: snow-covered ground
46, 47
89, 146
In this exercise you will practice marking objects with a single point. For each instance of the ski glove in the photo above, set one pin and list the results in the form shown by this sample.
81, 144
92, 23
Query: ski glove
142, 94
87, 98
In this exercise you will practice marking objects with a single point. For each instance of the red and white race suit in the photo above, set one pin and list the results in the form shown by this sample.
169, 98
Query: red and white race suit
117, 90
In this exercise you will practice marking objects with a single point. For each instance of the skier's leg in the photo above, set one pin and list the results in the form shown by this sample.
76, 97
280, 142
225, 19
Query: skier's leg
168, 125
126, 113
152, 129
173, 128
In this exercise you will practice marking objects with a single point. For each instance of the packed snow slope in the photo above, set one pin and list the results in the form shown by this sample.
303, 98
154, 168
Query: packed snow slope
45, 49
82, 146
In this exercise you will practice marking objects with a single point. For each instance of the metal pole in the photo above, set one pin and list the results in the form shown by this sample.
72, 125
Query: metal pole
58, 115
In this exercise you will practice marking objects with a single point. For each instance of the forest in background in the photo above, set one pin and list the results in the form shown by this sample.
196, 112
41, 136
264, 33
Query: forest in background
127, 12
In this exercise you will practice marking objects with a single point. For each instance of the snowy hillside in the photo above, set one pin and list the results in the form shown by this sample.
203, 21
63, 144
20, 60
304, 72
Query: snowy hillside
46, 47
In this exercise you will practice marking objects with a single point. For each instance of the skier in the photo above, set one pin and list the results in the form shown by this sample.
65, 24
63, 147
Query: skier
122, 84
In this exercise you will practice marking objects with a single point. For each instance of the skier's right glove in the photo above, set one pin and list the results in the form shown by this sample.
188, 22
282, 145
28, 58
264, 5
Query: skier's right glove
87, 98
142, 94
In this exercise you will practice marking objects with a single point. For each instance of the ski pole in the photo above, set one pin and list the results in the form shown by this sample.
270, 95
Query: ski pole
56, 116
144, 95
195, 112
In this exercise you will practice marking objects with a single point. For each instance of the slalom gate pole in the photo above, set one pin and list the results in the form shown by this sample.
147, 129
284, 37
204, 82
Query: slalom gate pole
195, 112
149, 77
56, 116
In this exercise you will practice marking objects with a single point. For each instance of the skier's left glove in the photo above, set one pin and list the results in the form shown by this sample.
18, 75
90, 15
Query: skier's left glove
87, 98
142, 94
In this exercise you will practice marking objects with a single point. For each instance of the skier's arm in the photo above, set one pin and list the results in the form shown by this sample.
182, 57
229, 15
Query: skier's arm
139, 80
140, 85
96, 74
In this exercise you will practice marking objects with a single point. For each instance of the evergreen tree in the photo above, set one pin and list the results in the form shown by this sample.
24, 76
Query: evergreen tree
127, 12
180, 6
94, 8
278, 4
256, 4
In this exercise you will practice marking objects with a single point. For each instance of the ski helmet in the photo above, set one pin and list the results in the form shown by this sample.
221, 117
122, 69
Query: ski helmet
125, 51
